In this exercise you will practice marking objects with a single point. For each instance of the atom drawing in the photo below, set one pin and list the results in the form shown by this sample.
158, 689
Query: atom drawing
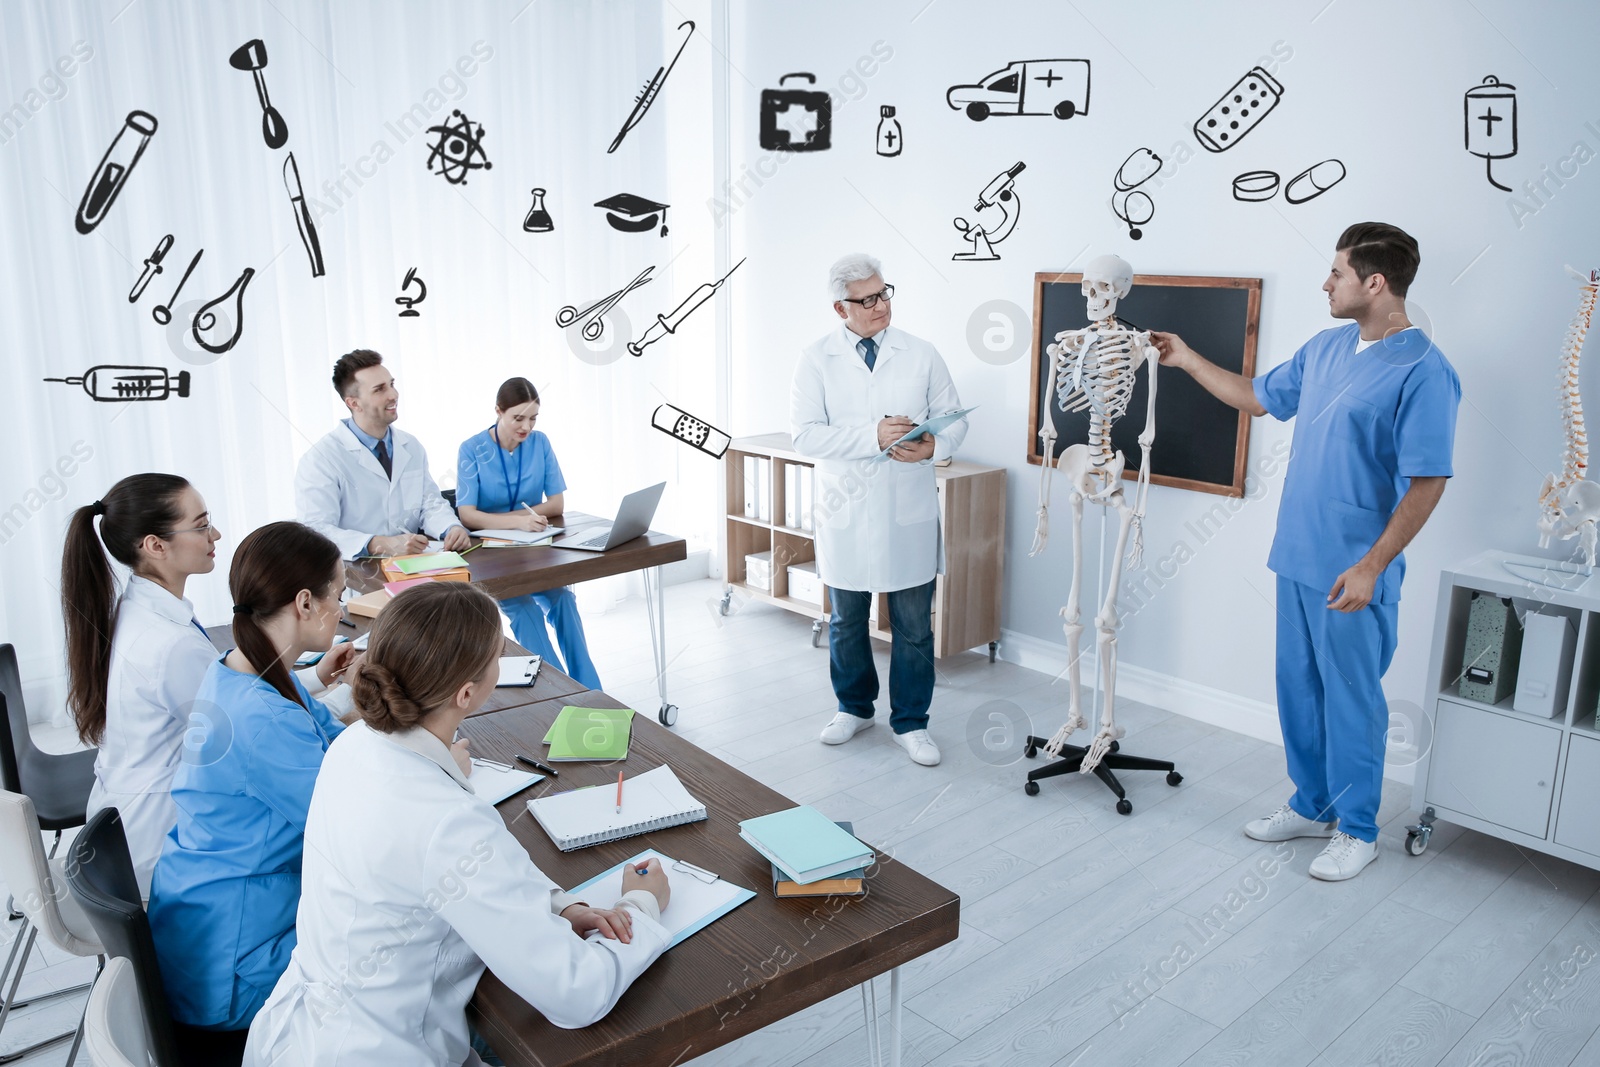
459, 149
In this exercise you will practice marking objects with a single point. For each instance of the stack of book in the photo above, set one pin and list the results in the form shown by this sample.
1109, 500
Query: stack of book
810, 856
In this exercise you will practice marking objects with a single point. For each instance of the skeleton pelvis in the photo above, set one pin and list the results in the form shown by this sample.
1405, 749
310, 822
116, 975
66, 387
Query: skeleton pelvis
1077, 462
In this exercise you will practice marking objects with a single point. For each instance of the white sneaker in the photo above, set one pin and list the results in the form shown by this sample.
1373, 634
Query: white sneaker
1285, 824
1345, 857
843, 727
921, 747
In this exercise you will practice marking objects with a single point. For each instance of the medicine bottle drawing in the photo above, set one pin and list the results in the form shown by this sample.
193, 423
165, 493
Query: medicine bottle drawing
888, 132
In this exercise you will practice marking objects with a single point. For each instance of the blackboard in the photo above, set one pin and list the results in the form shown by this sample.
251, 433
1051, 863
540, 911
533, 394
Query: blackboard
1200, 441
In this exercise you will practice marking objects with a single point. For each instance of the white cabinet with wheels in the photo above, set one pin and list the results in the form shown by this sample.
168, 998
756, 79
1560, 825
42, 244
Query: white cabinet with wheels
1531, 779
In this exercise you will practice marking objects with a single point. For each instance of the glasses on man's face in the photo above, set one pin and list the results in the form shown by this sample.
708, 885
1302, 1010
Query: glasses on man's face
870, 301
206, 529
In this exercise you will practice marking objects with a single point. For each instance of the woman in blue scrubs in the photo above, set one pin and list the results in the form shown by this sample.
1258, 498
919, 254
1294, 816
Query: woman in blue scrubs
507, 477
223, 899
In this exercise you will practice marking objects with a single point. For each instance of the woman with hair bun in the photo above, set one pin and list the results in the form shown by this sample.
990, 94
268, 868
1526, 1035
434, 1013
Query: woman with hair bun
507, 478
413, 884
222, 903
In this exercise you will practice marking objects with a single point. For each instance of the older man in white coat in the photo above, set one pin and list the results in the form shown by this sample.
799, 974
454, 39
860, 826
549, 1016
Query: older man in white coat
366, 486
857, 391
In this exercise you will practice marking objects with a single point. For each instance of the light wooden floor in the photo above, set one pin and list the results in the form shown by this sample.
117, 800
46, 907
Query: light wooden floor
1096, 939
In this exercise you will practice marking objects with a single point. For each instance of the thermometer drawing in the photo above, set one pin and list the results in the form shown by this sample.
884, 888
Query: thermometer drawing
652, 88
669, 323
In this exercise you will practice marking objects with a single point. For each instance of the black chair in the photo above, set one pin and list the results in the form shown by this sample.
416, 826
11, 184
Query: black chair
100, 872
58, 784
449, 496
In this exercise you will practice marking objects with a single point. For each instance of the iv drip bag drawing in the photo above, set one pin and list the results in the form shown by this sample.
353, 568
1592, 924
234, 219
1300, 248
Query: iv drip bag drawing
205, 320
1490, 118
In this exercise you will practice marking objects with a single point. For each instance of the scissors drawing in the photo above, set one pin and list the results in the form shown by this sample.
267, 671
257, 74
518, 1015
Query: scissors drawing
595, 327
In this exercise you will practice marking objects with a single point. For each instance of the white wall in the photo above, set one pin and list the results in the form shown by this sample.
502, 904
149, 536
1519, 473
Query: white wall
1378, 85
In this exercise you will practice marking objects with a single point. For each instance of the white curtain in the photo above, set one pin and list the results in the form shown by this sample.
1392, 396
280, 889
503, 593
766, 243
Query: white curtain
550, 84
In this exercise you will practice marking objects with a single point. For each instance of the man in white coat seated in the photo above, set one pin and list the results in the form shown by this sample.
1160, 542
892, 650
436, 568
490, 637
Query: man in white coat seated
366, 485
857, 391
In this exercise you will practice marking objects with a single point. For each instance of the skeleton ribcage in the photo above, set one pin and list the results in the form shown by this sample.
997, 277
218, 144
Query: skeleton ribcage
1100, 380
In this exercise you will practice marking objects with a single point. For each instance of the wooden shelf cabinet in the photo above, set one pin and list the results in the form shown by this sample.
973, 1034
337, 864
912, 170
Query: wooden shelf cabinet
972, 516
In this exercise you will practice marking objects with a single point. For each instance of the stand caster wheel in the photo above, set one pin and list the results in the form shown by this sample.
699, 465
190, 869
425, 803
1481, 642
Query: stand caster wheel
993, 647
1031, 788
668, 715
1417, 844
1173, 777
727, 600
1116, 746
1124, 806
1029, 751
816, 634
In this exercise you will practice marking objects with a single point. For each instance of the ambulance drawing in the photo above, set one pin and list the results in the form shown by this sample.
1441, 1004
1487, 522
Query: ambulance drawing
1058, 87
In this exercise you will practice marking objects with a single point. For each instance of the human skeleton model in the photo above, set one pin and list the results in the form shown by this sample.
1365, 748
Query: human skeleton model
1093, 370
1569, 505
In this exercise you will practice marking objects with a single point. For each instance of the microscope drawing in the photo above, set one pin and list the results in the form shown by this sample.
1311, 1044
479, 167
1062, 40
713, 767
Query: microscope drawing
1094, 370
410, 302
1569, 503
1000, 193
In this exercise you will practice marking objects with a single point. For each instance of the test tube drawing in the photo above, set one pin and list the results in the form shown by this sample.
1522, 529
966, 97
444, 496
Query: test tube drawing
110, 384
205, 320
115, 166
676, 422
666, 324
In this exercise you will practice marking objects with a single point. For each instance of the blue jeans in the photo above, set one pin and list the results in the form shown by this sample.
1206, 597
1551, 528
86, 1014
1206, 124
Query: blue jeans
855, 677
1331, 705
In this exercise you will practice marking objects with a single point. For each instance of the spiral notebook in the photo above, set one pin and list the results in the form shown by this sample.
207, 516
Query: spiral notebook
651, 801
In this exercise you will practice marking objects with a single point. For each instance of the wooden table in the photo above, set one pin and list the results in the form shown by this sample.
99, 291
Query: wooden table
764, 961
504, 573
550, 685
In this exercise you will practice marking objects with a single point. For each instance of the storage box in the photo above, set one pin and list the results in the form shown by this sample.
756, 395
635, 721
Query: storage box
758, 571
1545, 666
804, 583
1493, 645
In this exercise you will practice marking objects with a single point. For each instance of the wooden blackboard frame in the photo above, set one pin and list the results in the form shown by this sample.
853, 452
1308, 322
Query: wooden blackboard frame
1252, 287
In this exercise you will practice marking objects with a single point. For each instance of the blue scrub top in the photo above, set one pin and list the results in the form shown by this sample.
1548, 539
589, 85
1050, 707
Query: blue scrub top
488, 477
1369, 422
225, 891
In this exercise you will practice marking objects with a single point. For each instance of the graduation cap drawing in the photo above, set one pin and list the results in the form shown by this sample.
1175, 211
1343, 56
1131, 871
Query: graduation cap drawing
633, 214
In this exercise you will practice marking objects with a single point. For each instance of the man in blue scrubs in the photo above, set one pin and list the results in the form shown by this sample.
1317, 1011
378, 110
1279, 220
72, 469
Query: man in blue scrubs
1372, 449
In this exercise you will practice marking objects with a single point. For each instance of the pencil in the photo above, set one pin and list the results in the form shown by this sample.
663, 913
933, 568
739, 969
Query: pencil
474, 548
619, 792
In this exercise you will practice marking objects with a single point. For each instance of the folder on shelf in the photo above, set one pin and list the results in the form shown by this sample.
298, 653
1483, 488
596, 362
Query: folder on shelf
763, 489
791, 496
752, 486
807, 488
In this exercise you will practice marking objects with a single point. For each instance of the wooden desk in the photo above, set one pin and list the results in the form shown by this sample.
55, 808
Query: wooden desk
504, 573
551, 684
766, 960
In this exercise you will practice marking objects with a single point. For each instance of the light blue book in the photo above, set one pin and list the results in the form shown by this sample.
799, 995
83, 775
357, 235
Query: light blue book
805, 844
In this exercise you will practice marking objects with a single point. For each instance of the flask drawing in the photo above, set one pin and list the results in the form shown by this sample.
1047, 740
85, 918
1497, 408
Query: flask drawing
538, 220
205, 320
888, 132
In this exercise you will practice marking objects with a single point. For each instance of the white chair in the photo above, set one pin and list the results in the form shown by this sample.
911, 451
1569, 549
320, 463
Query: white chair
39, 886
113, 1020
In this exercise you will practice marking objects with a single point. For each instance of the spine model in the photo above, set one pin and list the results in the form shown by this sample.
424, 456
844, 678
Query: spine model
1567, 502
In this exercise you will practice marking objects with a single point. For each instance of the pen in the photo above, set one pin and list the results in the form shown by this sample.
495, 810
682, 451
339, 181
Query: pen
536, 765
619, 792
643, 870
347, 622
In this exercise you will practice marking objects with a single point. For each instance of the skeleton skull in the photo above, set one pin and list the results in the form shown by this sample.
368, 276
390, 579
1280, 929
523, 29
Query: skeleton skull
1106, 280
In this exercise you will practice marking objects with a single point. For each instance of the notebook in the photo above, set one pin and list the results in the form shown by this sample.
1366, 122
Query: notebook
804, 844
517, 538
518, 671
651, 801
495, 782
434, 561
590, 734
394, 589
695, 903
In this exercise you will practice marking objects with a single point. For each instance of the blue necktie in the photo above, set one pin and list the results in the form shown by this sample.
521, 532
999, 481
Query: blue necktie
869, 352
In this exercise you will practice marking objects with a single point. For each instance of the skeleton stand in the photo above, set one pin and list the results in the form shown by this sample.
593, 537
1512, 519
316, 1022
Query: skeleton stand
1071, 756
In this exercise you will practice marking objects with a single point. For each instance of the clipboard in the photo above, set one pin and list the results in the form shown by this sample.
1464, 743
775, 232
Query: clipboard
518, 671
936, 425
696, 904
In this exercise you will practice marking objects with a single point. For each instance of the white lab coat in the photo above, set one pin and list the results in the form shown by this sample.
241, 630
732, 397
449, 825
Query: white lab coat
340, 491
411, 885
158, 660
877, 524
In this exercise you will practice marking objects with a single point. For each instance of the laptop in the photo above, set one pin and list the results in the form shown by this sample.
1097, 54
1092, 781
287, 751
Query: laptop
633, 518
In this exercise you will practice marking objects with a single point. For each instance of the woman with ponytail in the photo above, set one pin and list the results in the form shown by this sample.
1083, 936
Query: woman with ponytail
413, 884
135, 663
226, 887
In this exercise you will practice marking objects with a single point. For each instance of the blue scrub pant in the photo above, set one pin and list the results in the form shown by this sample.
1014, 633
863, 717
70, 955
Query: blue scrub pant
1331, 705
528, 614
855, 677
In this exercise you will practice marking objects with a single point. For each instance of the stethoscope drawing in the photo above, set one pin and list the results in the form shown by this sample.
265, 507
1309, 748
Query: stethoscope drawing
1130, 203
